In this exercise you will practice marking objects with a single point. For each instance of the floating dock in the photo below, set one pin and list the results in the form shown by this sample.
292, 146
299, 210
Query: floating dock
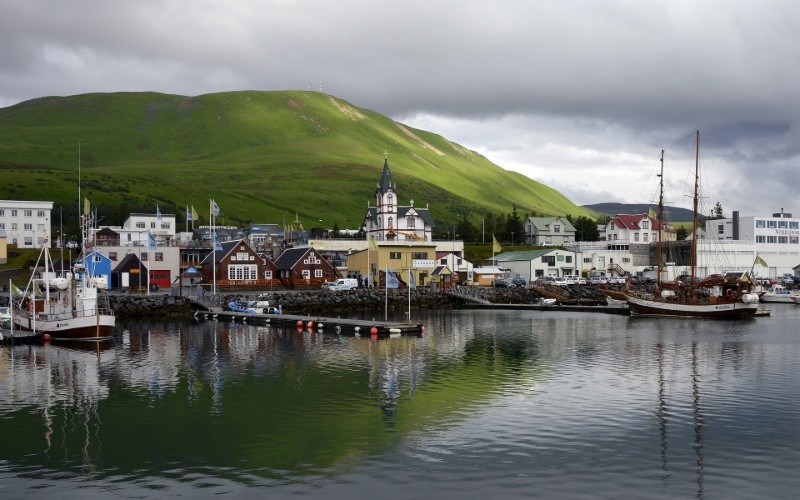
358, 327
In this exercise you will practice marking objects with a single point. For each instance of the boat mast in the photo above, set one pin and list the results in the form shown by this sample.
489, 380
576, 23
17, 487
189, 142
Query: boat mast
694, 213
660, 220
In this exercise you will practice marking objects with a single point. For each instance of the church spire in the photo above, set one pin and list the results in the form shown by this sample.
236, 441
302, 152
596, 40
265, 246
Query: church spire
386, 182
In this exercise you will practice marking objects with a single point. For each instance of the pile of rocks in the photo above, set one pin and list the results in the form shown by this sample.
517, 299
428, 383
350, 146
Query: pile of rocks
161, 305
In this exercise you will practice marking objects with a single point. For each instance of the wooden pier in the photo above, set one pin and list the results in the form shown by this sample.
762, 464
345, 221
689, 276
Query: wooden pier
358, 327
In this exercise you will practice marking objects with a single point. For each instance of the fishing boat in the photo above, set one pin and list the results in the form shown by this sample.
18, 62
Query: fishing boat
723, 297
65, 305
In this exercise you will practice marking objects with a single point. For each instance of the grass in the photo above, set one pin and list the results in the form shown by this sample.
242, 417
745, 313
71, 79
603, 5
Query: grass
260, 155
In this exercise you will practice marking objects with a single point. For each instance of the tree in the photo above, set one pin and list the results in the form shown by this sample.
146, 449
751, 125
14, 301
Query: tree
585, 229
336, 233
514, 227
466, 230
681, 233
716, 212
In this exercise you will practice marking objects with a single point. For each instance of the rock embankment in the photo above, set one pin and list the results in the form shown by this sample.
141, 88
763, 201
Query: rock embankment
160, 305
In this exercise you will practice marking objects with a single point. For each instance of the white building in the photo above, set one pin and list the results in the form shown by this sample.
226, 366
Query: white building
389, 221
137, 228
26, 223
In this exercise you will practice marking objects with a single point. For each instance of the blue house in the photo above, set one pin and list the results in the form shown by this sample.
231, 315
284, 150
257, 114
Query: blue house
98, 264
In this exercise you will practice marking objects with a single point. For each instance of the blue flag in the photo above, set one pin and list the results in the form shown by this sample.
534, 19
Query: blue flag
151, 240
217, 245
188, 214
391, 279
411, 283
214, 207
158, 213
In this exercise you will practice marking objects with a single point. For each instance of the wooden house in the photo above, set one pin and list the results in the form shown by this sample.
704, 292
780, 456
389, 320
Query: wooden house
130, 273
236, 265
304, 267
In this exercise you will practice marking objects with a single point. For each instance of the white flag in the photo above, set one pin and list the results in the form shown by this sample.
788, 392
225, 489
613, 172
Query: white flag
391, 279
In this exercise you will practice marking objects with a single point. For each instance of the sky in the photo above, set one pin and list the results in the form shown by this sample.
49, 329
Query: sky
579, 95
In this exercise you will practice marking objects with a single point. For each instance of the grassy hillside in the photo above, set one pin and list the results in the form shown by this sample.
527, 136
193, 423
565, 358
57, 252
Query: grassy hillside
264, 156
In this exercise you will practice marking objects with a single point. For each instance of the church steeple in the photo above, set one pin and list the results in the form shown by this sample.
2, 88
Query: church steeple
386, 183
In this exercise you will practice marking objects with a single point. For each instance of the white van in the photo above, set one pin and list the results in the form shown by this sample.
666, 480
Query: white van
340, 284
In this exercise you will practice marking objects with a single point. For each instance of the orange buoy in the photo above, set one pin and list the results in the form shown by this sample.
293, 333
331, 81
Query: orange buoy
46, 336
300, 323
373, 330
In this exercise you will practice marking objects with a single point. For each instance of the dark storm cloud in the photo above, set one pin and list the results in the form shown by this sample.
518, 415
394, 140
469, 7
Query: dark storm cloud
557, 90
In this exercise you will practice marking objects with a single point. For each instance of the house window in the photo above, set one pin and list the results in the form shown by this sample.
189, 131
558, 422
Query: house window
143, 257
793, 225
568, 259
644, 237
760, 223
112, 256
13, 213
389, 199
28, 213
550, 260
267, 275
40, 213
159, 256
720, 228
772, 239
782, 224
410, 222
2, 213
28, 241
13, 226
29, 227
761, 239
242, 256
306, 274
612, 226
772, 223
96, 258
419, 255
318, 273
238, 272
556, 228
635, 236
783, 239
645, 224
394, 255
391, 221
165, 225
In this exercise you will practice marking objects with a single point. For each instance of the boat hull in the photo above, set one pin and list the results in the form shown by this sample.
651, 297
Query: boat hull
81, 328
726, 310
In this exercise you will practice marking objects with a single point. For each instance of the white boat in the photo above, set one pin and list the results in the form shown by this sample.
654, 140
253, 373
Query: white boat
68, 307
715, 297
779, 293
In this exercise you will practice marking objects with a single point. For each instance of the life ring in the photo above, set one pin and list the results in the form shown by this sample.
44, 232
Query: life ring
729, 293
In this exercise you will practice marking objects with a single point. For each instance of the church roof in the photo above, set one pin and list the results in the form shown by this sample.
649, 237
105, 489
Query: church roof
386, 181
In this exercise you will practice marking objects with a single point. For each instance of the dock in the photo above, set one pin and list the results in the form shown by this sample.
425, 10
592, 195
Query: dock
357, 327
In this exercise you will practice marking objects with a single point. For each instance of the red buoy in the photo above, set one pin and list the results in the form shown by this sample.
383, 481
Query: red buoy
373, 330
300, 323
46, 336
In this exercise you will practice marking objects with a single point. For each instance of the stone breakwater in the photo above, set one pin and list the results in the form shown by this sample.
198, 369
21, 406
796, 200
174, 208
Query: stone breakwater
315, 302
151, 305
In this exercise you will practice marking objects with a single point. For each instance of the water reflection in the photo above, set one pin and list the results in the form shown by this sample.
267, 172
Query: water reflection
543, 398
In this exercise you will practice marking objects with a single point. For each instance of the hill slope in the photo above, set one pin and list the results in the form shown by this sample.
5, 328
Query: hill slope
672, 214
263, 156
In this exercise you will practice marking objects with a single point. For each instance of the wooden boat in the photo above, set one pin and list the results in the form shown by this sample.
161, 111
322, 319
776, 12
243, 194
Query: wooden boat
716, 297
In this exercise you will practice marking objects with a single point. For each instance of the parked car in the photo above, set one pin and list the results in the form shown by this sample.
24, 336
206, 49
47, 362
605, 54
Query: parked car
546, 280
580, 280
571, 280
501, 283
560, 281
519, 282
598, 280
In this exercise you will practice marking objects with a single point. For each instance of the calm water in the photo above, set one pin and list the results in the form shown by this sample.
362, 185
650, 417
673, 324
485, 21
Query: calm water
485, 405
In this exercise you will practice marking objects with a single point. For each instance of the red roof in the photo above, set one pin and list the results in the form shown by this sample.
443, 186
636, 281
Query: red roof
633, 222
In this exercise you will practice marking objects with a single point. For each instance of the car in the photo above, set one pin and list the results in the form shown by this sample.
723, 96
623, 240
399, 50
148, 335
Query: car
544, 280
560, 281
519, 282
501, 283
571, 280
580, 280
616, 280
598, 280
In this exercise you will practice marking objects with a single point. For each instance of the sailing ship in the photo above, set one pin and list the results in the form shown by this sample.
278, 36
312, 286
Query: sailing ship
716, 296
65, 304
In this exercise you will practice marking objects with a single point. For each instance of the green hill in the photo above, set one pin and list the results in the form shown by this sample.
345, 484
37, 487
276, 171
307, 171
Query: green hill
263, 156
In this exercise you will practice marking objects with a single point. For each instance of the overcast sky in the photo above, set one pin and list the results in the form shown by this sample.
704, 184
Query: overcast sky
579, 95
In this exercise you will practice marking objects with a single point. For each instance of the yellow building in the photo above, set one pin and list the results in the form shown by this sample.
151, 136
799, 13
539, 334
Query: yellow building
3, 247
398, 257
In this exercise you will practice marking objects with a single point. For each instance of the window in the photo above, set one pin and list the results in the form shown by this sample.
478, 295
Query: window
394, 255
550, 260
152, 225
159, 256
318, 273
783, 239
782, 224
794, 225
410, 222
140, 225
267, 275
587, 260
772, 239
644, 237
244, 256
720, 228
761, 239
391, 222
443, 261
772, 223
28, 213
238, 272
28, 227
306, 274
13, 226
568, 259
2, 225
793, 240
760, 223
28, 241
13, 213
143, 257
645, 224
612, 226
112, 256
419, 255
96, 258
2, 213
635, 236
556, 228
40, 213
165, 225
389, 199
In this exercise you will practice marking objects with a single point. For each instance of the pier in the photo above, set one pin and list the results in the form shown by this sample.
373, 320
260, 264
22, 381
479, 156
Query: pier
358, 327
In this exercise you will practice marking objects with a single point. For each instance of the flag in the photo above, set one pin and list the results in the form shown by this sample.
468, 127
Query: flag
158, 213
217, 245
411, 282
151, 240
761, 261
495, 245
652, 213
372, 244
188, 214
391, 280
214, 208
58, 241
16, 292
87, 209
194, 214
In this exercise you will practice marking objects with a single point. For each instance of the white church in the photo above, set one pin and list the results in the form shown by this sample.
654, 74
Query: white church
388, 221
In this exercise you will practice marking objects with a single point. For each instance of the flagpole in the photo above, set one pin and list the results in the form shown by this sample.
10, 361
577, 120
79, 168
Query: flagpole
214, 247
386, 292
410, 280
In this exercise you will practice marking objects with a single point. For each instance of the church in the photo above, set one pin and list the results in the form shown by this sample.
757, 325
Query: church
388, 221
